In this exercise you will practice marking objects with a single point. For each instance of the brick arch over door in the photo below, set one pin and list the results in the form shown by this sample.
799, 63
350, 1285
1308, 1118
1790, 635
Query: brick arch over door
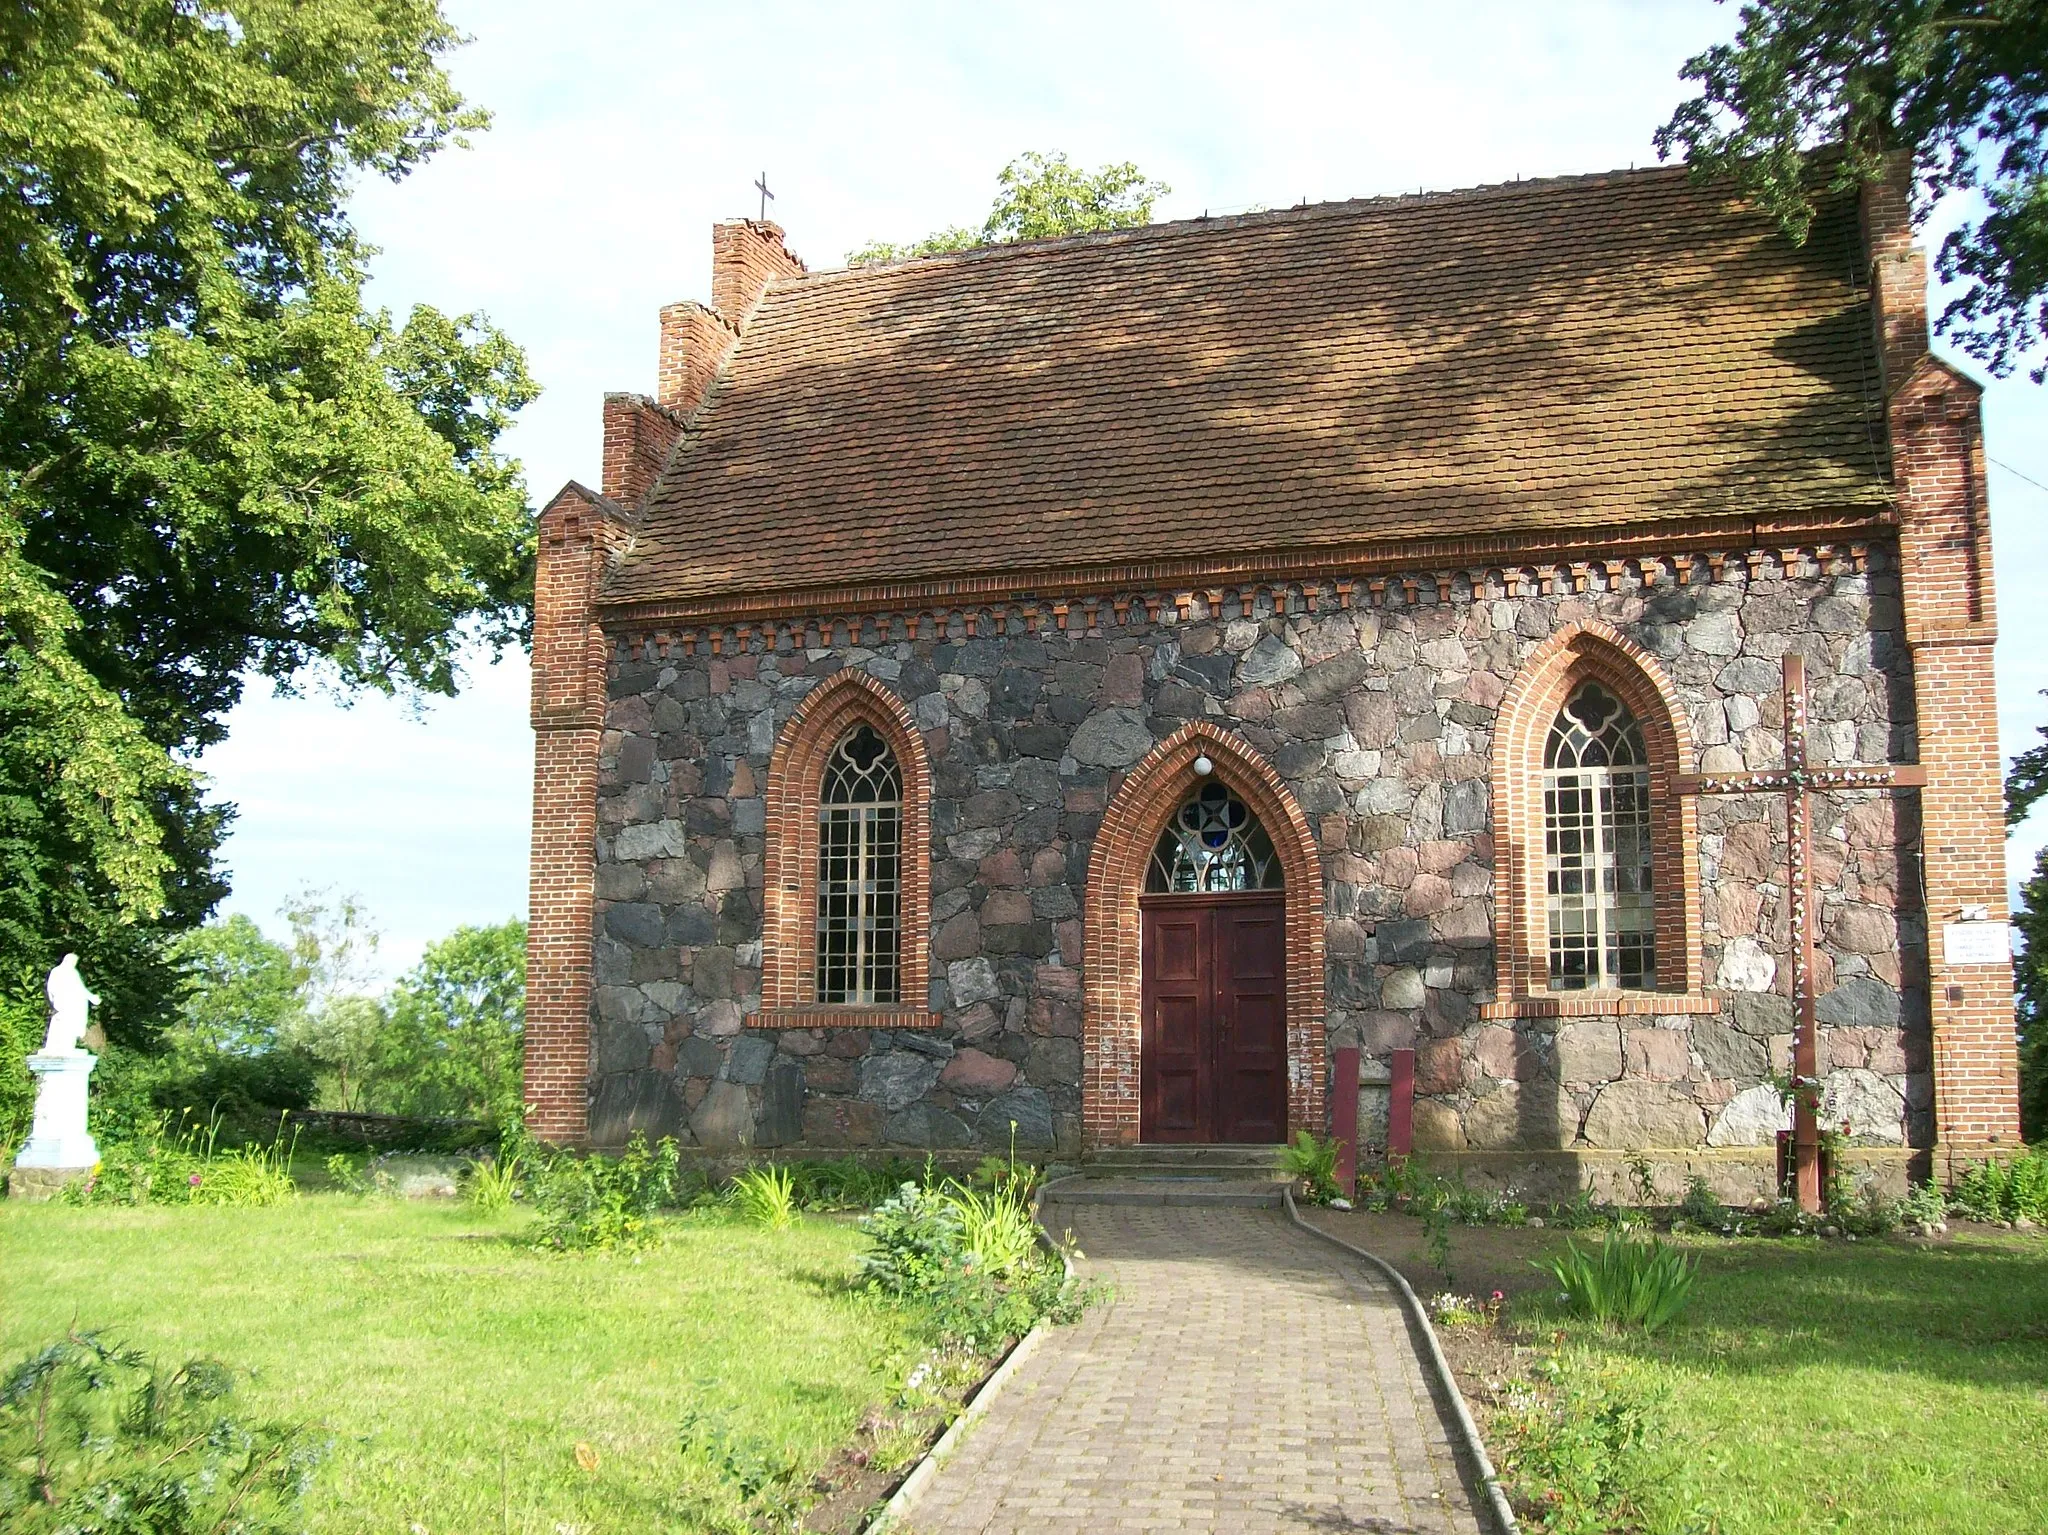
1585, 650
1151, 792
789, 886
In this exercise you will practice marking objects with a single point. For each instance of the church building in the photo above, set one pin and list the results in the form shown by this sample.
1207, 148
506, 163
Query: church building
1079, 689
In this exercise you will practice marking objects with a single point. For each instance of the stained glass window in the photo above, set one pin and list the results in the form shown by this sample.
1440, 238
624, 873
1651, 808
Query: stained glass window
860, 856
1213, 843
1596, 854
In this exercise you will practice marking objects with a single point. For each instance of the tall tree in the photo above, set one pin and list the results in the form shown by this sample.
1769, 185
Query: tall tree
451, 1048
215, 462
1961, 85
1039, 197
2025, 786
243, 991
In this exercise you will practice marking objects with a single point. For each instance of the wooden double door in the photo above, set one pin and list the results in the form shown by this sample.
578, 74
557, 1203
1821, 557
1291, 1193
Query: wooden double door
1213, 1053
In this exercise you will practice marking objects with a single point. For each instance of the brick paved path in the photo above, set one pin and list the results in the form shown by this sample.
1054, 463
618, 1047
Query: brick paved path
1246, 1377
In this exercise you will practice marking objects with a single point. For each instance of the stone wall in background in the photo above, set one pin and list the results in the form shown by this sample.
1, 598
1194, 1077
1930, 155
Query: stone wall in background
1380, 719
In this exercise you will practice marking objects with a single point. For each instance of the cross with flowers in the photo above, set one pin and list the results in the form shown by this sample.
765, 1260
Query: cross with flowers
1798, 780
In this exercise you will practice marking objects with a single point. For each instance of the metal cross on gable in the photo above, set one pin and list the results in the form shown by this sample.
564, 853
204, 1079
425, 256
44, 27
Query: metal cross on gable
767, 196
1798, 780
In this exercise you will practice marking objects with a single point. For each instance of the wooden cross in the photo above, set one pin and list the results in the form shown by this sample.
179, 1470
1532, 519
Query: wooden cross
767, 196
1798, 781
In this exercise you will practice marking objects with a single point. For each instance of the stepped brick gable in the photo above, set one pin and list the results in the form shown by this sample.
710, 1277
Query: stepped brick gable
1365, 574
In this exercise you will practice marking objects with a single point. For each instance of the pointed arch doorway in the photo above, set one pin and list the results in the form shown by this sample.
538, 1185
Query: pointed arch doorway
1213, 1049
1204, 988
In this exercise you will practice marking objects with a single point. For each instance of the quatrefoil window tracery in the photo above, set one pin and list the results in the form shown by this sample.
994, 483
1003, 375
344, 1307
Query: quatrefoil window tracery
1213, 844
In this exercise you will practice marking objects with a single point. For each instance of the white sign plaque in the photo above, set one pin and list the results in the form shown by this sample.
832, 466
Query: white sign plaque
1976, 943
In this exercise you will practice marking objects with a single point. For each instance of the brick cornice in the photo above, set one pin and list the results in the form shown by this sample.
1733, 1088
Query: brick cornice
1498, 553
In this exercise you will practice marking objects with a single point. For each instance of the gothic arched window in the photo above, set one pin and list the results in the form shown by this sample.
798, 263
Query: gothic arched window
1213, 843
1597, 847
860, 872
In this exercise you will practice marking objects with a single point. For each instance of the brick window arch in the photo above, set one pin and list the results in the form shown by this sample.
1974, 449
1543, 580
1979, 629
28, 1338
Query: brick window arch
1576, 835
826, 778
1151, 794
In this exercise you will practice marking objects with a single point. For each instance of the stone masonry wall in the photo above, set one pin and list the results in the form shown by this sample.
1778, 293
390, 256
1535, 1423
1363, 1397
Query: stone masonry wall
1380, 718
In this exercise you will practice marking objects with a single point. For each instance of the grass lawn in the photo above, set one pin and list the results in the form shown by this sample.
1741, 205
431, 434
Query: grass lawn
457, 1371
1890, 1385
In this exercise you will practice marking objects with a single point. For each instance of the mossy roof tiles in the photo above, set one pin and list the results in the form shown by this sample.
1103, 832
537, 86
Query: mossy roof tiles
1542, 357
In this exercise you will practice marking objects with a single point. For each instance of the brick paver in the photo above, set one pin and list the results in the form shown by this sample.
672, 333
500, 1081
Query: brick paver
1244, 1377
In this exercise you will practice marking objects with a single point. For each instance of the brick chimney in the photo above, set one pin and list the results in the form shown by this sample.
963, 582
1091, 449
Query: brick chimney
1898, 271
746, 256
638, 434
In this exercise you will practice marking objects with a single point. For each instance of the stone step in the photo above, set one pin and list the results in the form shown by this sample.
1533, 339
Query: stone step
1171, 1189
1196, 1161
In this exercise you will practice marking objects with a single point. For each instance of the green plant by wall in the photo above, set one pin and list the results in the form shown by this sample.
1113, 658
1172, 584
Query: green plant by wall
602, 1203
2005, 1191
765, 1197
98, 1438
969, 1260
1629, 1283
1312, 1162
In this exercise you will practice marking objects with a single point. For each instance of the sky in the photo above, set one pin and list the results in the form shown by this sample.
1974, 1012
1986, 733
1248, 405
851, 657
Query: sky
623, 130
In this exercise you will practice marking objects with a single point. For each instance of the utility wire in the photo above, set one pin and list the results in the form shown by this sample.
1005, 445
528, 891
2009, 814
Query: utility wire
2008, 468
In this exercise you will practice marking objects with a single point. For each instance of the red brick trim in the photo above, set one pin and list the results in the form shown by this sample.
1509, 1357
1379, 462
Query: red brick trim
819, 1017
1951, 613
578, 531
1603, 1005
1589, 648
790, 885
1138, 811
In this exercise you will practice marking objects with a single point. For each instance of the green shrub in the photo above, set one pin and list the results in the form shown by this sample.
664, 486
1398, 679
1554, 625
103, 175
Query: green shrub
2004, 1191
765, 1197
969, 1260
1700, 1208
601, 1203
846, 1183
21, 1034
1578, 1444
1311, 1161
97, 1440
491, 1183
1923, 1205
187, 1165
1636, 1284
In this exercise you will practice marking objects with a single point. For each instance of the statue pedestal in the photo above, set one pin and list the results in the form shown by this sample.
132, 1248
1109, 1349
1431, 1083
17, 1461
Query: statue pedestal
59, 1139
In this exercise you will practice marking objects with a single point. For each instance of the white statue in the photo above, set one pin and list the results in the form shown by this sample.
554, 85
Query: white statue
60, 1146
68, 1003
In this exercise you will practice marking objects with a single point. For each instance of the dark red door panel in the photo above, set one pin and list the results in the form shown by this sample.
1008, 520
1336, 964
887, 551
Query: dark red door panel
1251, 1022
1213, 1062
1174, 1046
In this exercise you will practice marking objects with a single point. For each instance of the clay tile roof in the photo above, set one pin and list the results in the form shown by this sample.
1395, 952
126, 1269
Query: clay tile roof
1535, 358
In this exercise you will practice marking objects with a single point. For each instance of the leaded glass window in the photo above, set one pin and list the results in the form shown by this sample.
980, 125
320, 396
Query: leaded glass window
1596, 853
1213, 843
860, 858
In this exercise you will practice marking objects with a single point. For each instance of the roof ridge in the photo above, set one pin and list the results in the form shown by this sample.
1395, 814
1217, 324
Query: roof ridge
1298, 212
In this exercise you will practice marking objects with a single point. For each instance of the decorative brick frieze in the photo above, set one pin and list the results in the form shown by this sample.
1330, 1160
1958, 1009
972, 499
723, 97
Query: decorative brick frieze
1103, 612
